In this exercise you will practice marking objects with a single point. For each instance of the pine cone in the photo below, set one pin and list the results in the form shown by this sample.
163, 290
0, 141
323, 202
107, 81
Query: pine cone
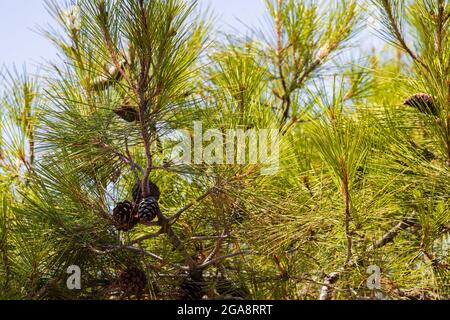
124, 216
148, 210
133, 281
192, 288
137, 191
127, 113
423, 102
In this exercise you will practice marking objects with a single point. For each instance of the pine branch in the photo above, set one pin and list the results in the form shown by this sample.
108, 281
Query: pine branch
440, 28
111, 249
103, 18
143, 107
224, 257
207, 238
391, 234
347, 218
177, 244
398, 35
178, 214
132, 163
286, 96
327, 290
216, 249
147, 237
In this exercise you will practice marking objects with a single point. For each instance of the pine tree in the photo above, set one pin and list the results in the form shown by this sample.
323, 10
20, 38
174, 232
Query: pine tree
88, 176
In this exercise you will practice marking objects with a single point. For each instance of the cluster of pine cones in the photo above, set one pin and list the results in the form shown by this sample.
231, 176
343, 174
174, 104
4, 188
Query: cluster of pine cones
127, 214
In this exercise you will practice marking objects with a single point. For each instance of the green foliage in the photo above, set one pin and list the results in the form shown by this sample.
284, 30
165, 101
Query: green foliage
362, 178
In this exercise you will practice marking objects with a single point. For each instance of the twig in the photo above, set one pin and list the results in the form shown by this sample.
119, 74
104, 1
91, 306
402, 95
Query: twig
146, 237
110, 45
230, 255
141, 88
132, 163
177, 214
327, 288
396, 30
440, 28
286, 97
177, 244
206, 238
332, 278
391, 234
150, 254
125, 158
216, 249
112, 249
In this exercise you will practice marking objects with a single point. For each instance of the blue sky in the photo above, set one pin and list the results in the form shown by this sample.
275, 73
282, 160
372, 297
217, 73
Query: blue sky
20, 43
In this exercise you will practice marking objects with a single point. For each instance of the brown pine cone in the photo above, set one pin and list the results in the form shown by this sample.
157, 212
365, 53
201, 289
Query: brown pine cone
137, 191
127, 113
192, 287
133, 281
124, 216
148, 210
424, 102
